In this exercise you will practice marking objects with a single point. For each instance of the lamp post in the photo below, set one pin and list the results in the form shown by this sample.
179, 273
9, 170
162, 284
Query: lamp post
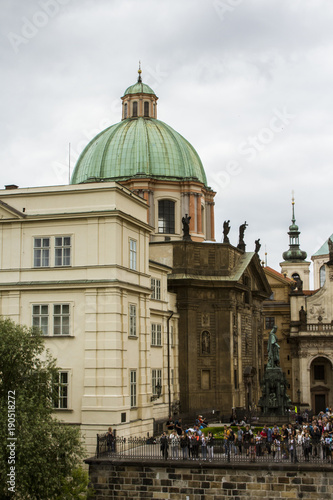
298, 401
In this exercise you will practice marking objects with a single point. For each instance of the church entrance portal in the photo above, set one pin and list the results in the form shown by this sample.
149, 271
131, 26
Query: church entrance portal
321, 382
320, 403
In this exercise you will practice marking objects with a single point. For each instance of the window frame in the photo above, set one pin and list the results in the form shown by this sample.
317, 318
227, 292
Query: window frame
132, 321
133, 254
156, 334
156, 376
64, 249
63, 391
40, 316
44, 250
322, 275
166, 216
269, 324
62, 315
133, 388
155, 289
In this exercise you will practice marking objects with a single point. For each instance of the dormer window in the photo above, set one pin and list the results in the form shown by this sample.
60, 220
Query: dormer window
135, 109
146, 109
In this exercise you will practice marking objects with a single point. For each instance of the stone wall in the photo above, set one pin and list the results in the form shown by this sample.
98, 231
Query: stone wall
210, 481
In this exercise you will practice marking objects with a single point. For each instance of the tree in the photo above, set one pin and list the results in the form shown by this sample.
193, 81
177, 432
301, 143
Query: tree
39, 456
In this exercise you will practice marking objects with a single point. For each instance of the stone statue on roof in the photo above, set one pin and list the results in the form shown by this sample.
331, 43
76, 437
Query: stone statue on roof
226, 229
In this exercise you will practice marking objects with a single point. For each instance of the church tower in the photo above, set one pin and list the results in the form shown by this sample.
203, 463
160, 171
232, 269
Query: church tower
294, 265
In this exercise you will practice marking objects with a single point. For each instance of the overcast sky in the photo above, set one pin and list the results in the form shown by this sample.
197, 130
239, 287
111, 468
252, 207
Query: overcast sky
248, 82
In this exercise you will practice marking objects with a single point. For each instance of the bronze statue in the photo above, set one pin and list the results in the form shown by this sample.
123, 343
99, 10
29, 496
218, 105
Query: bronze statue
186, 228
226, 229
330, 249
241, 245
302, 316
242, 228
273, 349
257, 245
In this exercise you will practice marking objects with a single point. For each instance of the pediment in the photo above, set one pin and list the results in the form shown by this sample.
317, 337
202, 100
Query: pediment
9, 212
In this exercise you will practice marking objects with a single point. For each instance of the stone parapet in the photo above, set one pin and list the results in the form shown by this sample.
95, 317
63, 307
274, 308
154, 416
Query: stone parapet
208, 481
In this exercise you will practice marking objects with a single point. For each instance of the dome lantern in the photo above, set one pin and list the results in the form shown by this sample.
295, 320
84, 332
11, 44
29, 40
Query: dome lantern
139, 100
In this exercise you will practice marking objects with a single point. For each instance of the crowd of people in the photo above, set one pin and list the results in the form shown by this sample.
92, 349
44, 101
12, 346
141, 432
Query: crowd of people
300, 441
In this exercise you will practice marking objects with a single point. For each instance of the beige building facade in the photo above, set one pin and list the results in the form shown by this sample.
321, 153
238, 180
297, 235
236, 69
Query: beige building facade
75, 264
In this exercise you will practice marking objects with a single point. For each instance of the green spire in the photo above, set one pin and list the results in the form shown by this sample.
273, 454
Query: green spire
294, 254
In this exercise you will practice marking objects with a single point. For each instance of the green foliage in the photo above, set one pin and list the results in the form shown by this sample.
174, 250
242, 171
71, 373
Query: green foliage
47, 452
77, 486
218, 431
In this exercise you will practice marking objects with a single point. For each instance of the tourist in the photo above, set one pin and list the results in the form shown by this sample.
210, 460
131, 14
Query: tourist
239, 439
164, 441
194, 446
178, 426
246, 439
258, 444
170, 425
184, 445
210, 446
204, 447
174, 441
110, 440
252, 448
315, 439
306, 446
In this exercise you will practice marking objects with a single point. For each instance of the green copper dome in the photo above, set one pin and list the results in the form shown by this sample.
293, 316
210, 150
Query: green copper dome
139, 88
138, 147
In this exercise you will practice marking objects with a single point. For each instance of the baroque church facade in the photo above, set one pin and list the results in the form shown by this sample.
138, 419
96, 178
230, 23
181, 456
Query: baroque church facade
304, 319
141, 321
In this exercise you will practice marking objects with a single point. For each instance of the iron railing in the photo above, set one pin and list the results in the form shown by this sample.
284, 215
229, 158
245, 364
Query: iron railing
137, 448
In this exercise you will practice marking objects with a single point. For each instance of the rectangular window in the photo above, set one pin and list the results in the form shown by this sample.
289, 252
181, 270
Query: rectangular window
41, 252
156, 334
40, 318
61, 391
156, 378
133, 254
133, 388
269, 321
155, 289
62, 251
132, 320
171, 336
319, 372
166, 216
61, 319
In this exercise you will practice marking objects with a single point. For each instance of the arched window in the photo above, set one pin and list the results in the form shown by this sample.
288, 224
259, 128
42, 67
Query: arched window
135, 108
125, 110
166, 216
146, 108
322, 275
154, 110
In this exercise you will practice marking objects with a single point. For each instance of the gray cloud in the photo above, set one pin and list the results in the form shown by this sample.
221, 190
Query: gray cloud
219, 76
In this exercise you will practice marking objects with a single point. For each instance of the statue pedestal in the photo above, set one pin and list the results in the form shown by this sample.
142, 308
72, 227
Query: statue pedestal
274, 399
